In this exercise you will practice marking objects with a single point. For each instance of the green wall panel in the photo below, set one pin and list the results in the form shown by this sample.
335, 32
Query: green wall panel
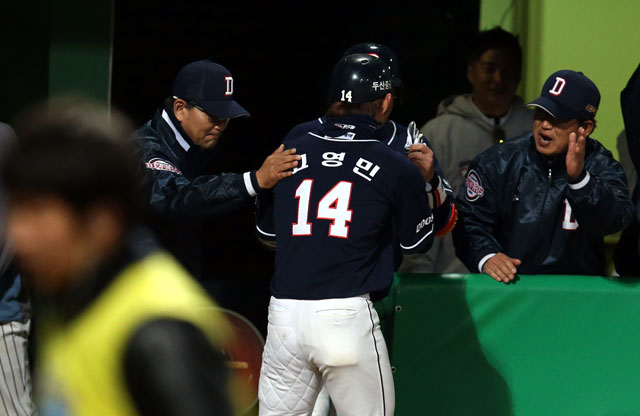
546, 345
80, 49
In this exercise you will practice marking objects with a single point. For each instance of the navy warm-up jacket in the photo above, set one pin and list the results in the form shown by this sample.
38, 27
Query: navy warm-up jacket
181, 192
518, 202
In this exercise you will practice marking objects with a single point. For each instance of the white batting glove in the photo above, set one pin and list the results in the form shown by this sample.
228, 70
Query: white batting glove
413, 136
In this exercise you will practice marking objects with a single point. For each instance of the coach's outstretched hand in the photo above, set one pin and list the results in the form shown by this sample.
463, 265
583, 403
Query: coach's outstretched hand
277, 166
501, 267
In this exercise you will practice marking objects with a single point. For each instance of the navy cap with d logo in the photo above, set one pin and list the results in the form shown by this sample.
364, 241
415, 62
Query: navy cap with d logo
210, 86
568, 95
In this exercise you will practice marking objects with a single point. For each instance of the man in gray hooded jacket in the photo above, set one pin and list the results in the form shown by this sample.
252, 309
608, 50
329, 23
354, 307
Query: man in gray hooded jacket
468, 124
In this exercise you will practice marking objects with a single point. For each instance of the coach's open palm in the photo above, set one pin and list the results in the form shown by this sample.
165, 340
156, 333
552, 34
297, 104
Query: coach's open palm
277, 166
575, 153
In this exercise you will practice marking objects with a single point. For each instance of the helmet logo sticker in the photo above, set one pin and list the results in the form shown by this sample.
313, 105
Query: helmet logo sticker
381, 86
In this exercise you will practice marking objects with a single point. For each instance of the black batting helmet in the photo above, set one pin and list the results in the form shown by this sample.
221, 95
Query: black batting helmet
382, 52
359, 78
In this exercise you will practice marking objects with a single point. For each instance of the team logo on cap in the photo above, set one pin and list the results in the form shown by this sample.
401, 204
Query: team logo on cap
229, 90
591, 109
474, 186
159, 164
558, 86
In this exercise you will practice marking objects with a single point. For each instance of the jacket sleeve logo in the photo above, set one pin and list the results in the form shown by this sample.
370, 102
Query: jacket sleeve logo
474, 186
159, 164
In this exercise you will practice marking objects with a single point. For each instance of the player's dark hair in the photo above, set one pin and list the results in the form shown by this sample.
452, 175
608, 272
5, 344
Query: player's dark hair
77, 151
341, 109
496, 38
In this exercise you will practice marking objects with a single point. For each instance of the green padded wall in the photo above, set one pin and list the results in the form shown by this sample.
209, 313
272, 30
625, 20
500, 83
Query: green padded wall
546, 345
80, 49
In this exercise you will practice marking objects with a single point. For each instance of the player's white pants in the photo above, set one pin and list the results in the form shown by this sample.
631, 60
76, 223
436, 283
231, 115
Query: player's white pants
323, 406
15, 376
337, 341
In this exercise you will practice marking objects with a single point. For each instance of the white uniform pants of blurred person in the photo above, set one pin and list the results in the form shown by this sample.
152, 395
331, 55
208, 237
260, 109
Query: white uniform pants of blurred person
335, 342
15, 381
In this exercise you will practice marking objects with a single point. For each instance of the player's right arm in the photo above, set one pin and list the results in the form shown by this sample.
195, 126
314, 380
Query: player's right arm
440, 193
413, 216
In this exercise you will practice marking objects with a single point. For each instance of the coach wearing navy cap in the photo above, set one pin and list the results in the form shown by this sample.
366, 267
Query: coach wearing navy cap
172, 147
541, 203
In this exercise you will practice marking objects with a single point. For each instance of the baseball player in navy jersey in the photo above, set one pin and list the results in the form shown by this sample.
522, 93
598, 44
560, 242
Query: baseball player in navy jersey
400, 138
335, 222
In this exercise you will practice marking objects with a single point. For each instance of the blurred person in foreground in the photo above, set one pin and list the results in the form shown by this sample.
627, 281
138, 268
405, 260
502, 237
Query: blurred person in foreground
121, 330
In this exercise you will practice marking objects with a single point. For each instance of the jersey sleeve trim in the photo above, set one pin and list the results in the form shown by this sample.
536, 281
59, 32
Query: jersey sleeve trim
393, 135
264, 233
419, 241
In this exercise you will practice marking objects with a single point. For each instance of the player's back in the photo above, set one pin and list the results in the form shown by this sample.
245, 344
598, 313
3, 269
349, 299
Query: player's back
391, 133
335, 218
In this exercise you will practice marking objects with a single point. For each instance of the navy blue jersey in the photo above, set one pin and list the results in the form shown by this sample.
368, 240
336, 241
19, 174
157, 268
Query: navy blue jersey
336, 219
397, 137
391, 133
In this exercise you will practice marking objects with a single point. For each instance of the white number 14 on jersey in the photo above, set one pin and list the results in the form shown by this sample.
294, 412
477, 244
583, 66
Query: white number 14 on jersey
334, 205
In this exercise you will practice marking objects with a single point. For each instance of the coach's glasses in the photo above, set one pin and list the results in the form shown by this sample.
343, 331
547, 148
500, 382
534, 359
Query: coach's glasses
214, 119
